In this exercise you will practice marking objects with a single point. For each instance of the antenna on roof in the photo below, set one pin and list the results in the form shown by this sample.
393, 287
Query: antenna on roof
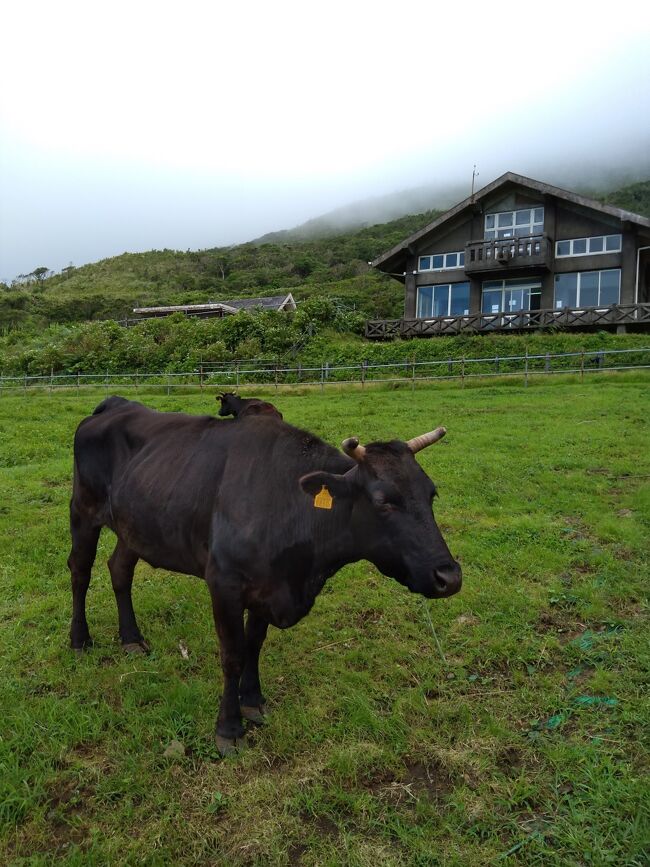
475, 175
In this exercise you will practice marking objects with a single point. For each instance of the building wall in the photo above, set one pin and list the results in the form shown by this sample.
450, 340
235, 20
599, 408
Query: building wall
562, 221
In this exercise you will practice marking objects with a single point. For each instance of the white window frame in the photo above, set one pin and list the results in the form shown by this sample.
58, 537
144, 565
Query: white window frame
530, 225
506, 286
588, 252
450, 287
579, 284
445, 267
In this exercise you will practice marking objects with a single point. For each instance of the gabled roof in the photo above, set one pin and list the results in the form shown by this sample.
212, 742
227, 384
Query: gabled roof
273, 302
520, 180
270, 302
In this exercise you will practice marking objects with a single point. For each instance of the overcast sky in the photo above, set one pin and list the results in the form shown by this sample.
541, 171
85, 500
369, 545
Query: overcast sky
138, 125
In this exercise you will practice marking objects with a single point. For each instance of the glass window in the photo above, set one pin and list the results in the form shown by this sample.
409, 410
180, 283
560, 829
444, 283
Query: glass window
610, 286
459, 303
425, 263
461, 260
613, 242
452, 260
505, 219
425, 294
588, 289
490, 235
438, 262
441, 300
491, 301
579, 246
539, 215
596, 245
522, 217
563, 248
566, 290
489, 221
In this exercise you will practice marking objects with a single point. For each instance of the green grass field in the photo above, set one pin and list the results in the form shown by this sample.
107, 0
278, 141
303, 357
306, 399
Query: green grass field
518, 738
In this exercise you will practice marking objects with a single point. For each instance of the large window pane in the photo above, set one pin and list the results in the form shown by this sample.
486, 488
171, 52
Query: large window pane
491, 300
566, 290
489, 221
596, 245
441, 300
579, 246
425, 263
459, 299
539, 215
438, 262
613, 242
424, 300
461, 260
589, 289
505, 219
452, 260
610, 287
522, 217
563, 248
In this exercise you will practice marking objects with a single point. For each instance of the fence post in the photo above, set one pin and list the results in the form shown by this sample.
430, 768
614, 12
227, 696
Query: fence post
299, 371
450, 367
526, 370
237, 374
363, 374
496, 363
78, 378
167, 377
201, 377
276, 375
322, 375
547, 363
412, 373
582, 366
106, 383
25, 384
51, 378
462, 371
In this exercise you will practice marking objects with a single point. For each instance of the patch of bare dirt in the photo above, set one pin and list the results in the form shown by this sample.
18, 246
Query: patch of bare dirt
368, 616
510, 761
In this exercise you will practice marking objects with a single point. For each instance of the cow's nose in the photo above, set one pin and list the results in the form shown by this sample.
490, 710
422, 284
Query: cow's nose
449, 579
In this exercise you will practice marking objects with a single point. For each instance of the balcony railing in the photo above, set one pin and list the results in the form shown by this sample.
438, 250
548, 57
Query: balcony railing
527, 252
522, 320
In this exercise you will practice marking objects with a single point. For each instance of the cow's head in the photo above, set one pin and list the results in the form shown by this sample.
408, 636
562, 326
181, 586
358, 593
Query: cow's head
391, 515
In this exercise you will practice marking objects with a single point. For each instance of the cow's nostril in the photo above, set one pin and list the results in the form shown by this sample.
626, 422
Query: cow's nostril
449, 579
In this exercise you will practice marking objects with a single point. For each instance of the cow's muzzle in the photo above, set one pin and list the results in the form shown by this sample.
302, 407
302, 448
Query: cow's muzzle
447, 580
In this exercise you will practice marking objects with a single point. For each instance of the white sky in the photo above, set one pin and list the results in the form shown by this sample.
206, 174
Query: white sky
138, 125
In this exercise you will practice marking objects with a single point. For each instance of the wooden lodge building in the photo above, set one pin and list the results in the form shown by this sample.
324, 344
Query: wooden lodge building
520, 254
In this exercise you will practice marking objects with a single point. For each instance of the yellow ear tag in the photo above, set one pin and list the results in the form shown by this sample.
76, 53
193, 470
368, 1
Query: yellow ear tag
323, 499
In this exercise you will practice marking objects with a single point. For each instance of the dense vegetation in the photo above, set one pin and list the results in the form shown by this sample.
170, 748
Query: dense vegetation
521, 732
61, 321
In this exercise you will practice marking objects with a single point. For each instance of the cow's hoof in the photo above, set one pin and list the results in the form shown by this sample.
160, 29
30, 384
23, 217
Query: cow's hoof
254, 714
229, 746
136, 648
85, 645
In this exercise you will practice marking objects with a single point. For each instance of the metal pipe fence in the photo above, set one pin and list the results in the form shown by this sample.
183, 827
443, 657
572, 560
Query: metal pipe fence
244, 374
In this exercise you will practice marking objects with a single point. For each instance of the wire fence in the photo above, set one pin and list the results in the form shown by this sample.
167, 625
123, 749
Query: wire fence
239, 374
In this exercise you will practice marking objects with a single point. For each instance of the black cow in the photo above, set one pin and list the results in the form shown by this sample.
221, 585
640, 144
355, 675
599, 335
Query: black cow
261, 510
232, 404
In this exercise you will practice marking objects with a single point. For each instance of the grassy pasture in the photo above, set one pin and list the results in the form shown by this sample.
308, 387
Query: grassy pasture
518, 740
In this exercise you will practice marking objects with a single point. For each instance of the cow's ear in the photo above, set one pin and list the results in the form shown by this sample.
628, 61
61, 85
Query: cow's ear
337, 486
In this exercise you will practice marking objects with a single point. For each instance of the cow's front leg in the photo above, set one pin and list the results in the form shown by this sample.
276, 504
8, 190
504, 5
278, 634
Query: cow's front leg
228, 614
250, 691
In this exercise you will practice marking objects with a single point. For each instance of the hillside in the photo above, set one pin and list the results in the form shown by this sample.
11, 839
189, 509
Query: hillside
335, 266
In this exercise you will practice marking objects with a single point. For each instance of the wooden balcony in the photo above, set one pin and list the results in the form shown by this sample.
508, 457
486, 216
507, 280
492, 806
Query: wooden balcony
531, 251
523, 320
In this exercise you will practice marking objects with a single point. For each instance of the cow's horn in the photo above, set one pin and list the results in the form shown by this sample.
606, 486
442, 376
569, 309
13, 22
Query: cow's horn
427, 439
351, 447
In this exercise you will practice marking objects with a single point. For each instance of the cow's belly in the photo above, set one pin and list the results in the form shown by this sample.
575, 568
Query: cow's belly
283, 602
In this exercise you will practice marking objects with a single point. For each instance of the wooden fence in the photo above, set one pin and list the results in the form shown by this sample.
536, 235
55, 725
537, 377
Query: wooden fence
234, 375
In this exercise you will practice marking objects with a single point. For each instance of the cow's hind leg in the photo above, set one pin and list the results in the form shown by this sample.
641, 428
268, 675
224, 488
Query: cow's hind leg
250, 691
122, 564
85, 536
228, 612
